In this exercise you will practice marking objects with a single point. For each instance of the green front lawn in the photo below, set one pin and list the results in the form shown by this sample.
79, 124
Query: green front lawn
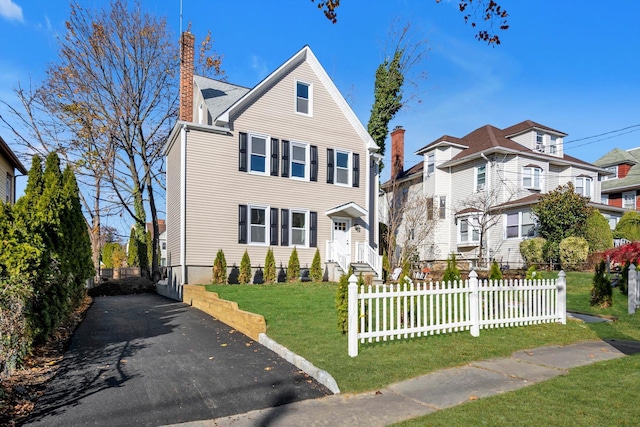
302, 317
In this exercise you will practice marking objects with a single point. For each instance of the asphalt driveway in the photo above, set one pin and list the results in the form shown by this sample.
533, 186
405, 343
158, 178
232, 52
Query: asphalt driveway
148, 360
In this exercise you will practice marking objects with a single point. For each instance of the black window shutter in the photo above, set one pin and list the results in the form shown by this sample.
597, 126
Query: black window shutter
314, 163
274, 156
285, 159
356, 170
242, 159
284, 233
329, 165
274, 227
242, 223
313, 229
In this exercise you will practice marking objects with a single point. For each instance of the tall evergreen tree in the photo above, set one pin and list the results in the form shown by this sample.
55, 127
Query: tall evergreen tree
132, 250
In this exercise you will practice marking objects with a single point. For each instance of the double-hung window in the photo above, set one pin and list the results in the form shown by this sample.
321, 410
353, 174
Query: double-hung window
629, 200
520, 224
342, 167
553, 144
258, 154
583, 186
540, 142
431, 163
299, 160
9, 188
613, 170
528, 224
512, 225
303, 98
531, 177
258, 224
469, 230
442, 208
481, 177
299, 228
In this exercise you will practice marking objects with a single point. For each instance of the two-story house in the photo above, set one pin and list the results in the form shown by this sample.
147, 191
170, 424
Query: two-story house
9, 162
281, 165
484, 184
621, 187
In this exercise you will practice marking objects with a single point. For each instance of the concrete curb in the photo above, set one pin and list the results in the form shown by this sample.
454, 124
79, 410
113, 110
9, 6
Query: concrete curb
320, 375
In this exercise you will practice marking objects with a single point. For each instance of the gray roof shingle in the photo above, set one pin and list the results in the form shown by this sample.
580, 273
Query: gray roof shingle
219, 95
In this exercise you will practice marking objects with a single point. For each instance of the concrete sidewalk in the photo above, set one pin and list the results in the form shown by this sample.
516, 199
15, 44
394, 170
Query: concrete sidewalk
432, 392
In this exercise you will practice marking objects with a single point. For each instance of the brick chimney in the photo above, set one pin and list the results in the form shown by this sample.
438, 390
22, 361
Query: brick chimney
187, 41
397, 151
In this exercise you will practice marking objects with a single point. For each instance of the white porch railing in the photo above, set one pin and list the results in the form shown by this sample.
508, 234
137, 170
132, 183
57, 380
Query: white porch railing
409, 310
366, 254
337, 253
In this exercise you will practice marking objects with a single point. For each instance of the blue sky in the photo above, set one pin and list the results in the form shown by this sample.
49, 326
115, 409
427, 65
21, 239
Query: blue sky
571, 65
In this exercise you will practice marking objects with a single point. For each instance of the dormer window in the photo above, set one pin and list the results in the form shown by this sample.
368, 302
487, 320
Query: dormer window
553, 142
540, 142
303, 98
613, 170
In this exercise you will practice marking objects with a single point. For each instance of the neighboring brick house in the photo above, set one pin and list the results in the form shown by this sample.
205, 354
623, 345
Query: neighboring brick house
284, 164
9, 162
620, 187
496, 174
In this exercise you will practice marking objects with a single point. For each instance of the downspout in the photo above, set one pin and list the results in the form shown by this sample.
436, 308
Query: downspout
183, 202
489, 188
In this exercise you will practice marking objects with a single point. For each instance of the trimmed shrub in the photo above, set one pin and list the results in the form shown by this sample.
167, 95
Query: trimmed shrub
623, 279
532, 273
601, 293
598, 233
269, 267
293, 269
245, 269
219, 269
495, 273
628, 227
316, 267
573, 252
532, 251
451, 273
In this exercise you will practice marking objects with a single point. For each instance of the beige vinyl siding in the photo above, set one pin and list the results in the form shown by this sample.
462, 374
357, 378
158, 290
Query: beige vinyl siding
173, 203
527, 139
4, 168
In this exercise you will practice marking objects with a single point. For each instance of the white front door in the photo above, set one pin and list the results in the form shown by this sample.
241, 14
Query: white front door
342, 235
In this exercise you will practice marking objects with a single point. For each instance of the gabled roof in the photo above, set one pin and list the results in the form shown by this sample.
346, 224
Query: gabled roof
7, 153
528, 125
414, 171
304, 54
218, 95
617, 157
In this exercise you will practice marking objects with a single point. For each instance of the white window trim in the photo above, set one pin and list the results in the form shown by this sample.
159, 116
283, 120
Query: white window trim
267, 224
604, 199
307, 160
470, 230
520, 224
349, 167
295, 98
624, 197
584, 180
431, 163
267, 149
475, 178
609, 169
553, 144
307, 226
529, 171
539, 145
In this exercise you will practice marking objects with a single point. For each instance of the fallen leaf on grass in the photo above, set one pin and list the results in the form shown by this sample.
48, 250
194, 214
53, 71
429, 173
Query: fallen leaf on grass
473, 397
211, 358
223, 345
268, 368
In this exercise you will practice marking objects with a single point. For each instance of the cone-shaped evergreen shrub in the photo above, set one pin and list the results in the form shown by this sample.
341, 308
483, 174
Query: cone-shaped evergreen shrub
245, 269
495, 273
269, 267
316, 267
601, 294
623, 279
451, 273
219, 269
293, 269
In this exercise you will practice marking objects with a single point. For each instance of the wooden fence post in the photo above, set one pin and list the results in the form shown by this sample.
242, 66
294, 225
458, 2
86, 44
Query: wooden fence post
632, 287
561, 297
353, 316
474, 304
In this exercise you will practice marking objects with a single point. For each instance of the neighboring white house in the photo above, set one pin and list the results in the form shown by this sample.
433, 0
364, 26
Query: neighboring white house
9, 162
495, 174
162, 241
284, 164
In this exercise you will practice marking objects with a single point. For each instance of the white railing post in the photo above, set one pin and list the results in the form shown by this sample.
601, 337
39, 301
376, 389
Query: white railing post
632, 289
353, 316
561, 297
474, 304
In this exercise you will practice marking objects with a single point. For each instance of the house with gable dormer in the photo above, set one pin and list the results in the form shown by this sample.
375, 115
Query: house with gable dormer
620, 188
283, 165
483, 185
9, 163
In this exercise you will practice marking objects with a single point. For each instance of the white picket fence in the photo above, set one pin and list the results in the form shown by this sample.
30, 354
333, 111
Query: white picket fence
388, 312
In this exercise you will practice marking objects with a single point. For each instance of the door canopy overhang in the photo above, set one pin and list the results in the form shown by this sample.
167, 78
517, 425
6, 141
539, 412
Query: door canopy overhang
350, 209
